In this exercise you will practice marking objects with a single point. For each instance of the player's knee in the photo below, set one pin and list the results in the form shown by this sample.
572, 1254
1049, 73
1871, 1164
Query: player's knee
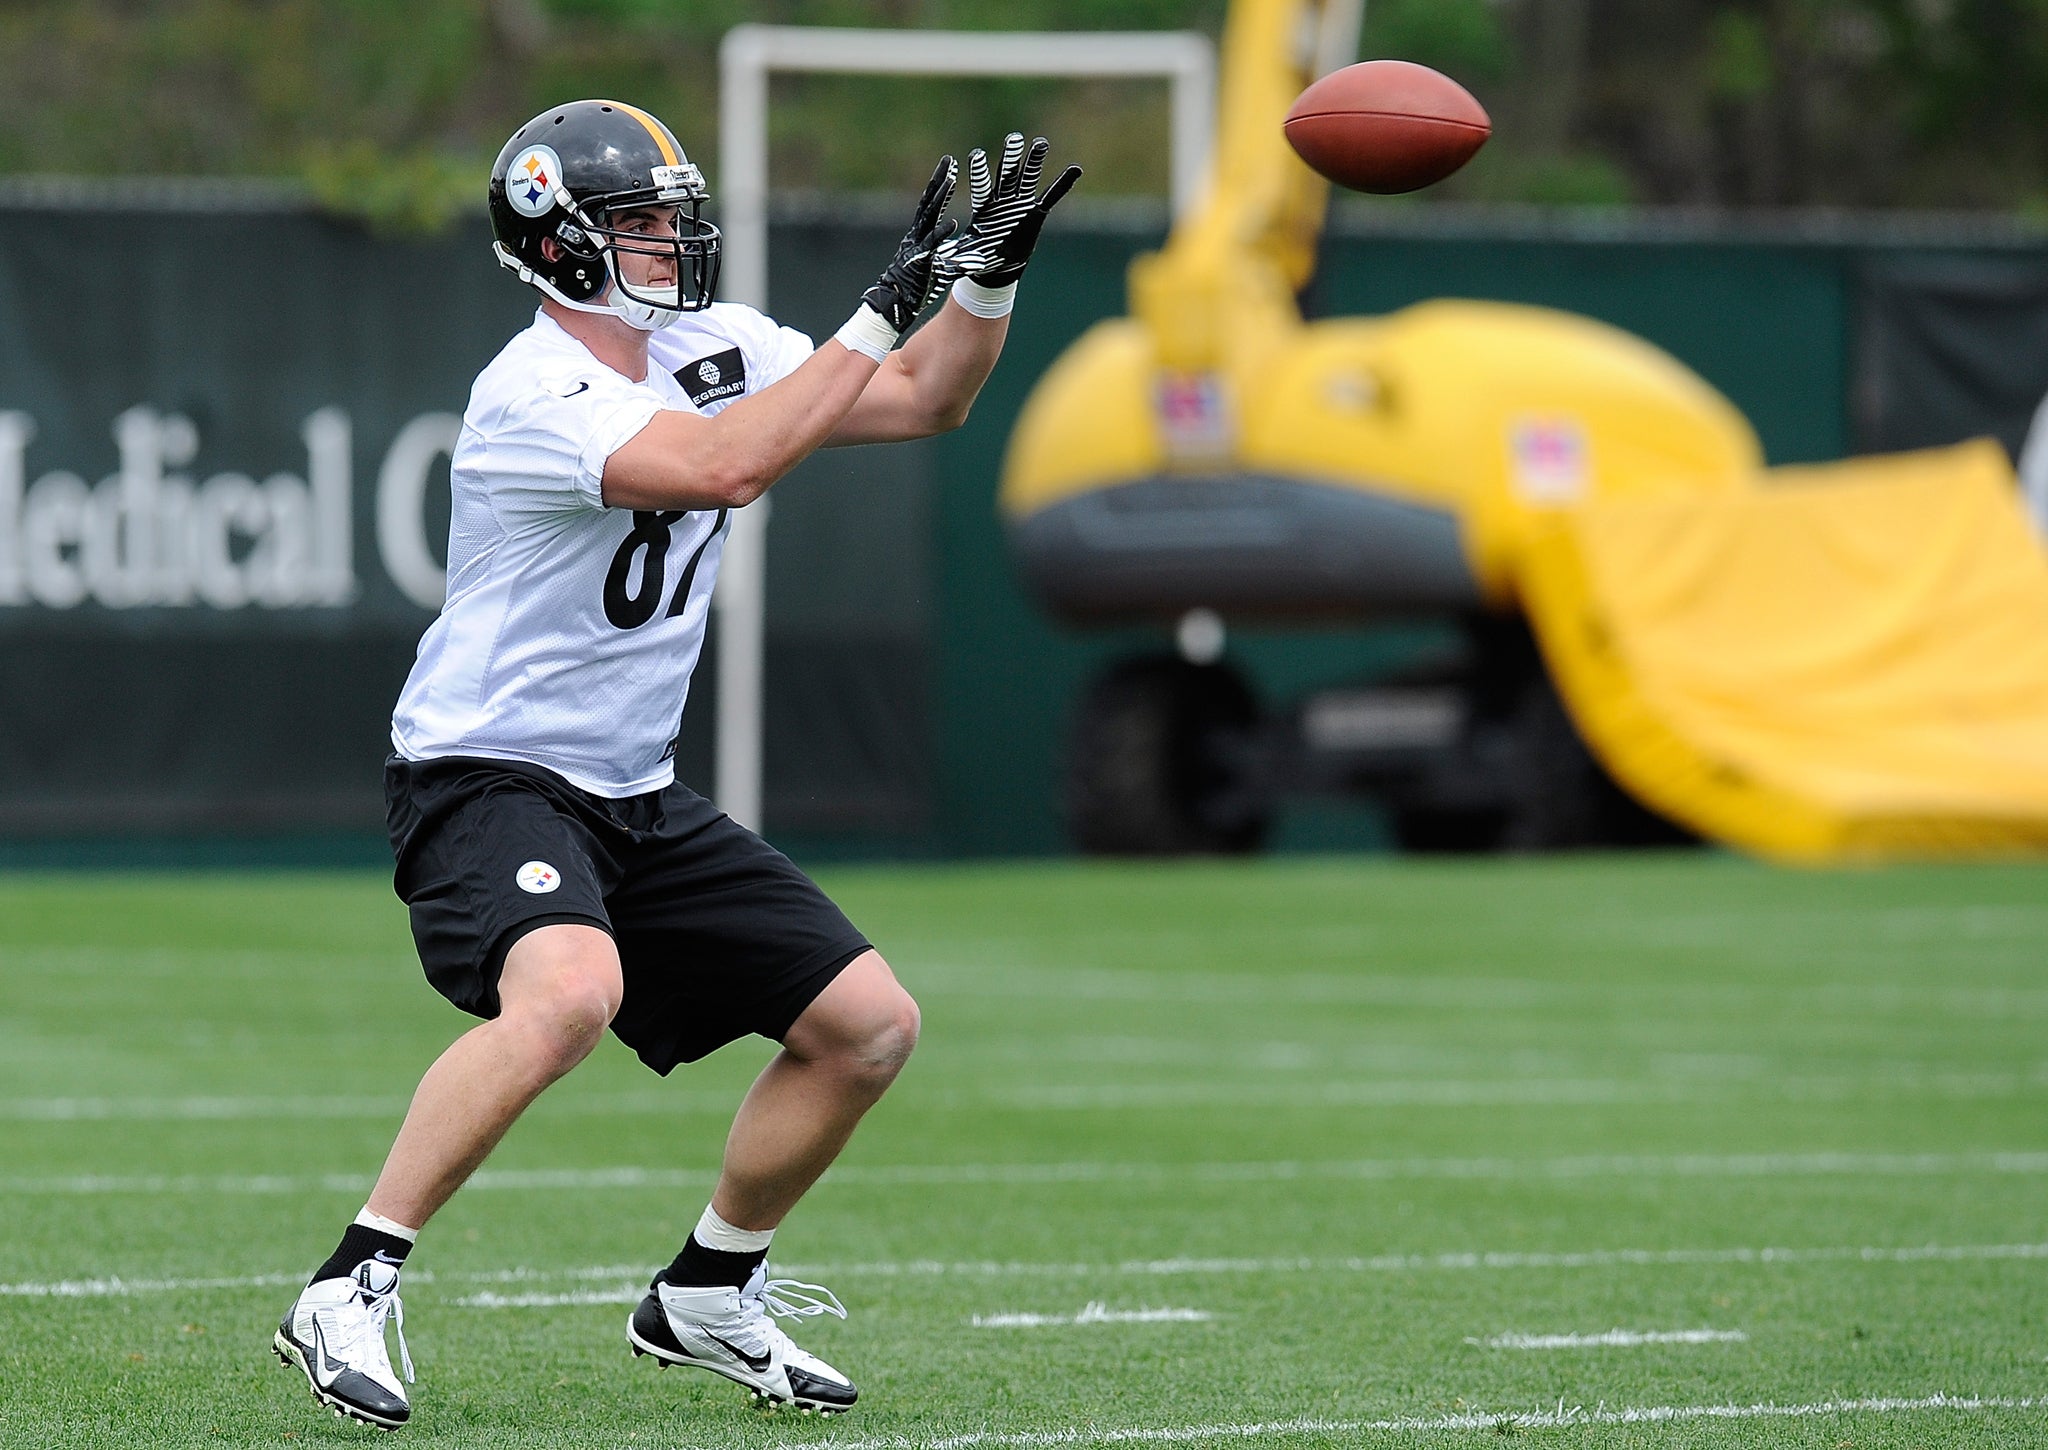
563, 1037
861, 1028
579, 1014
562, 995
888, 1036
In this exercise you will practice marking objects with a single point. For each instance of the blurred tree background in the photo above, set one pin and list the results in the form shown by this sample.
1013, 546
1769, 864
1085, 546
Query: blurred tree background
392, 109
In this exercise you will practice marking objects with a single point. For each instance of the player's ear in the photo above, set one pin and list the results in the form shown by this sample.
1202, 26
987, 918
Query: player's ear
550, 249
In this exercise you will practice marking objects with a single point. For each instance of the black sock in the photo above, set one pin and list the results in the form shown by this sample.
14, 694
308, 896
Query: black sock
697, 1266
358, 1243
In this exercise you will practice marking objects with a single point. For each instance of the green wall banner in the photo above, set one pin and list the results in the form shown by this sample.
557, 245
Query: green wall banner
224, 433
1950, 346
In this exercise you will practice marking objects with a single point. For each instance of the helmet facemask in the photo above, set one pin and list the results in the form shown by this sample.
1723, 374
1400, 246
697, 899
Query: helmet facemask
690, 248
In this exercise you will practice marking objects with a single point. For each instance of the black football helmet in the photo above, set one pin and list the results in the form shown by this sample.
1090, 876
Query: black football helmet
566, 175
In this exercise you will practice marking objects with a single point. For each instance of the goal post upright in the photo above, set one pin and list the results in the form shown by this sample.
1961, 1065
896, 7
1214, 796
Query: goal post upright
746, 57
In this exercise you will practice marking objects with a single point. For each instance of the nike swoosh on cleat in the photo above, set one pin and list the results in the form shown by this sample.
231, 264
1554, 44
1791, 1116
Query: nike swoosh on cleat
325, 1371
383, 1258
755, 1362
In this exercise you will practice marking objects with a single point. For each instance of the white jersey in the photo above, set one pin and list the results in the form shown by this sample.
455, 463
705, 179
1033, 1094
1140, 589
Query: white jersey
570, 629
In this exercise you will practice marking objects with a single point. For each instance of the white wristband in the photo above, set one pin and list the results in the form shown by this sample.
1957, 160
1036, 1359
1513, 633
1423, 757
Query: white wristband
868, 333
985, 301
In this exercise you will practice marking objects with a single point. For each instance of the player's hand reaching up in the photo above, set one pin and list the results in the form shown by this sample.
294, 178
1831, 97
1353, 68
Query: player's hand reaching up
1007, 213
912, 280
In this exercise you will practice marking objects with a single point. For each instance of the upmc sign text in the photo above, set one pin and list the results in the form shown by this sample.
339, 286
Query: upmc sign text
153, 535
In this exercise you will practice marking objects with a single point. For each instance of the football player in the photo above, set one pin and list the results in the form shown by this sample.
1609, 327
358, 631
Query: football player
560, 879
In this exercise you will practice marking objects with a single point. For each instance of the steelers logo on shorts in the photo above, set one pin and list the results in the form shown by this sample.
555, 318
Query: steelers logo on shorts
538, 877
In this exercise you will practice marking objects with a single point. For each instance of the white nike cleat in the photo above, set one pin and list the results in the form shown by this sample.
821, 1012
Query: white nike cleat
729, 1331
335, 1333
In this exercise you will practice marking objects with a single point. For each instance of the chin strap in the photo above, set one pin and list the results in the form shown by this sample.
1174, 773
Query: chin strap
643, 315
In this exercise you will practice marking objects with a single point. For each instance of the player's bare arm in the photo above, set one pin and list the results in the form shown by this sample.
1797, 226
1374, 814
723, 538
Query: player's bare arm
928, 385
685, 461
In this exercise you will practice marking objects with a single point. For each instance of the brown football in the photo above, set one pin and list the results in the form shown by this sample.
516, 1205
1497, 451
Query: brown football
1386, 126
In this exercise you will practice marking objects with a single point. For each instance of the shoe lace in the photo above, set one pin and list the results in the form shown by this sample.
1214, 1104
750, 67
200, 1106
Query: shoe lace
378, 1309
788, 1299
794, 1299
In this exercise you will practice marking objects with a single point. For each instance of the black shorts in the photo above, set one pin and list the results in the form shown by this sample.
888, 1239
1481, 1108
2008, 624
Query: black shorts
718, 933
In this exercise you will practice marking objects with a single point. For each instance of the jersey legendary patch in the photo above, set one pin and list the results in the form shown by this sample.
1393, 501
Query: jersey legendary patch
713, 379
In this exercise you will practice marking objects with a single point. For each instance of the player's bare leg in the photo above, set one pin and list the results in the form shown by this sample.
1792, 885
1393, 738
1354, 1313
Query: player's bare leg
559, 989
837, 1060
712, 1307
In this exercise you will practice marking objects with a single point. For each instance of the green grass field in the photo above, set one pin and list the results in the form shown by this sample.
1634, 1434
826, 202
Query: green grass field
1379, 1145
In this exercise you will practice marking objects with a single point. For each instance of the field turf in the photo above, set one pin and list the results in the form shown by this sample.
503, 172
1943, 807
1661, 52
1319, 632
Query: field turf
1665, 1150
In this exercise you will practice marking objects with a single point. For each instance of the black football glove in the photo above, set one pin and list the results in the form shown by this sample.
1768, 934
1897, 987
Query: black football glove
912, 278
1007, 213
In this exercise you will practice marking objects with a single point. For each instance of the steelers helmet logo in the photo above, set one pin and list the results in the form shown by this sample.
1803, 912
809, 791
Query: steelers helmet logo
708, 371
531, 180
538, 877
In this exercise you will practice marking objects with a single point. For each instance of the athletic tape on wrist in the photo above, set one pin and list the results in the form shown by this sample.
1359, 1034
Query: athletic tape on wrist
985, 301
868, 333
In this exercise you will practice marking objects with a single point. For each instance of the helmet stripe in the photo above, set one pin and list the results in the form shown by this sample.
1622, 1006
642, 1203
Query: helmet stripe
659, 132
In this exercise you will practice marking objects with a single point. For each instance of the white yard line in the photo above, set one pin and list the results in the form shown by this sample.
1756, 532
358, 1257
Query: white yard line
195, 1109
631, 1294
260, 1107
1558, 1418
1226, 1091
123, 1288
1093, 1313
116, 1287
1284, 1081
1248, 1088
630, 1278
1699, 1165
1488, 995
1612, 1339
1416, 1263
